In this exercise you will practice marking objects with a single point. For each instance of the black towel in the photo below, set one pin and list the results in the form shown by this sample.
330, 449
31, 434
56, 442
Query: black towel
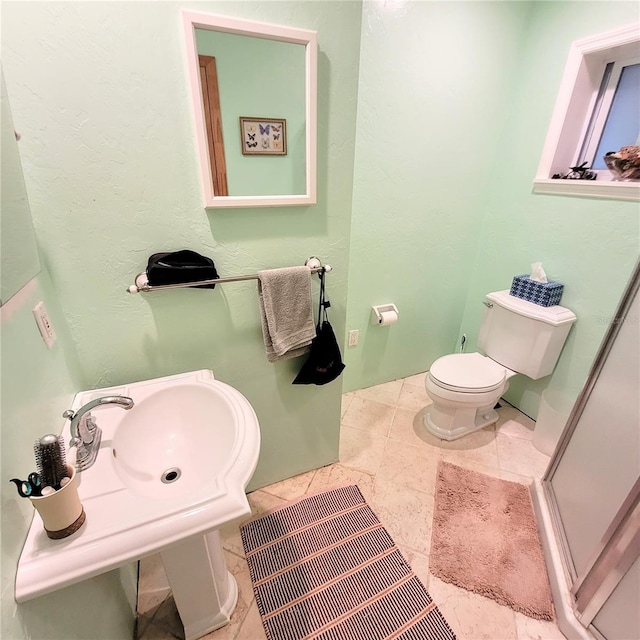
178, 267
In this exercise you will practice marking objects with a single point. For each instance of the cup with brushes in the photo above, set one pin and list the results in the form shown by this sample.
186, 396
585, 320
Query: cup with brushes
53, 489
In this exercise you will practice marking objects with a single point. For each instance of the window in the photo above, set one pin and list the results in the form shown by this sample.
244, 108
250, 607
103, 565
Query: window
597, 111
615, 119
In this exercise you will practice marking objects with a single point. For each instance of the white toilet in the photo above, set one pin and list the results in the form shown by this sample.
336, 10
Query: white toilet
517, 336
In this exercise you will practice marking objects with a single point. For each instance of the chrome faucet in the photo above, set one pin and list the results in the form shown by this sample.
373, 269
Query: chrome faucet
85, 433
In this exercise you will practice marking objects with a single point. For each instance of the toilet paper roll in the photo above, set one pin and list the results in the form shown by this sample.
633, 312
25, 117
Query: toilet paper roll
388, 317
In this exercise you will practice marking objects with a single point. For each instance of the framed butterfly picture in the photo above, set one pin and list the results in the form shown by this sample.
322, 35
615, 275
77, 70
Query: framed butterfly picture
263, 136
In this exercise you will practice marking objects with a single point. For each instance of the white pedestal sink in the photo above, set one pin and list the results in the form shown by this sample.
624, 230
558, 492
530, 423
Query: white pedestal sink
169, 473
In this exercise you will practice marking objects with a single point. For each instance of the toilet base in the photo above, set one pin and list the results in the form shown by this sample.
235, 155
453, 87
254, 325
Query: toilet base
451, 426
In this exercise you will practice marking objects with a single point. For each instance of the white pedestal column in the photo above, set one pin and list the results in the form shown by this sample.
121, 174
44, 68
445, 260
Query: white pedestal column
204, 591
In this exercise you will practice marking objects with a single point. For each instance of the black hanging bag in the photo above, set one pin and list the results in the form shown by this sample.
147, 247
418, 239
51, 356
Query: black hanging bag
324, 363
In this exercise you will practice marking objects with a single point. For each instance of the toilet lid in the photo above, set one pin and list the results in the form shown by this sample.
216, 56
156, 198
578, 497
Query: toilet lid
470, 372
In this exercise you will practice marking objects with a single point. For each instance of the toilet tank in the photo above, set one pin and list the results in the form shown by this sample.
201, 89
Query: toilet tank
523, 336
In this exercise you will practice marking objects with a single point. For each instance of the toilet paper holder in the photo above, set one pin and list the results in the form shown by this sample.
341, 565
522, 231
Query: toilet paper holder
379, 309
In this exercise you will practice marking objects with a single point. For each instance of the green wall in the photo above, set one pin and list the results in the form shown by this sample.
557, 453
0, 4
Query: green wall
99, 92
101, 95
589, 245
37, 385
435, 86
450, 125
260, 78
443, 203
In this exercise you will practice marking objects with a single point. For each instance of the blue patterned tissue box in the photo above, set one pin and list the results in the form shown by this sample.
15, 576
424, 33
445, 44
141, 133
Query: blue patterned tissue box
546, 294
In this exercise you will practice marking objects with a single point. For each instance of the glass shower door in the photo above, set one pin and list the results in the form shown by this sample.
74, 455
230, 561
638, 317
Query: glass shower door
592, 484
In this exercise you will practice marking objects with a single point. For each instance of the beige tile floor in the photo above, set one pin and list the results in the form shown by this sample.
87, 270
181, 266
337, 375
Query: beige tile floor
385, 451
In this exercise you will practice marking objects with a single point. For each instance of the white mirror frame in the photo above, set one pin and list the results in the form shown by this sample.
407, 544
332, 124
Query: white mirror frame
193, 20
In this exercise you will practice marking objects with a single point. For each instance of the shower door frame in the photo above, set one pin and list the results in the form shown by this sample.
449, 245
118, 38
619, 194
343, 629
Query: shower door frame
619, 547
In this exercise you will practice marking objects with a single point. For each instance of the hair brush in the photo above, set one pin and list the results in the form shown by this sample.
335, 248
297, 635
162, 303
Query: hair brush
51, 460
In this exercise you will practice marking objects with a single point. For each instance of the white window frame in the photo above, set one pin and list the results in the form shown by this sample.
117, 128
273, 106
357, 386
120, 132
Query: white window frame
578, 90
600, 120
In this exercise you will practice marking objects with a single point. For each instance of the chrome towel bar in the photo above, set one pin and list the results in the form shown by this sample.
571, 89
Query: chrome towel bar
142, 285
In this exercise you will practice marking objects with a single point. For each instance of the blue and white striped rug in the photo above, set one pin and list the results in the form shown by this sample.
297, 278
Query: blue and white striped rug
324, 568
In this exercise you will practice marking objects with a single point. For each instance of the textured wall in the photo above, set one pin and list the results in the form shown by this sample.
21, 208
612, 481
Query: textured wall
443, 209
589, 245
435, 84
100, 92
38, 384
450, 126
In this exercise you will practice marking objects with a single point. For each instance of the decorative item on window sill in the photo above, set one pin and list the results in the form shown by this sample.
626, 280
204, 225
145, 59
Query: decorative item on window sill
577, 173
624, 164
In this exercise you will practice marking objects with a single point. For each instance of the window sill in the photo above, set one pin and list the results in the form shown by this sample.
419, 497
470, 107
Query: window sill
588, 189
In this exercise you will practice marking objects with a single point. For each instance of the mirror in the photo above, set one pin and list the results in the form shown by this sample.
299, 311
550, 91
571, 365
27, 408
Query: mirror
253, 91
20, 261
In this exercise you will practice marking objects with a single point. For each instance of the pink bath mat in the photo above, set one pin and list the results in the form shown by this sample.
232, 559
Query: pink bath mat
485, 540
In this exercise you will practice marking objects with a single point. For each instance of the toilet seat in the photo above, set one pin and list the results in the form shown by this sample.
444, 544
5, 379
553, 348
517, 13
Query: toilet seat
467, 373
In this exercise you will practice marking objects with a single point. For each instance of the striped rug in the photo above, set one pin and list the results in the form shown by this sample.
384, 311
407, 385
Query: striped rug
323, 567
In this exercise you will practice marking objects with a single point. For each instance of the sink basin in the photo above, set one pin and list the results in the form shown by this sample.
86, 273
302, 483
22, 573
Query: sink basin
168, 474
176, 441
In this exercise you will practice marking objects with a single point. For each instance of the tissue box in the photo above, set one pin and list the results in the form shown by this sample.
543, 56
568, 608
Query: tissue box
545, 294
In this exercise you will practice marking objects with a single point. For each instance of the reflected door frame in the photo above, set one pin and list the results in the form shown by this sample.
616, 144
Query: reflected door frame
213, 122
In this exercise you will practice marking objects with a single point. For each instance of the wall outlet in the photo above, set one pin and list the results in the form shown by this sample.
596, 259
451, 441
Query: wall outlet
353, 337
44, 324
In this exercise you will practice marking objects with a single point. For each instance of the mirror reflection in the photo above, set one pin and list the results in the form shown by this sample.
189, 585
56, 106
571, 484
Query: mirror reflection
254, 94
260, 82
19, 252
